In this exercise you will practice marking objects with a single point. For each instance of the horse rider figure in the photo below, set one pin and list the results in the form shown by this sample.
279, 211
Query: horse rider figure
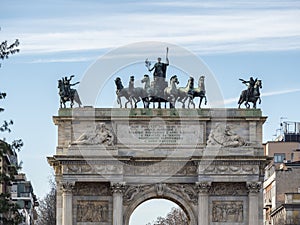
69, 92
250, 83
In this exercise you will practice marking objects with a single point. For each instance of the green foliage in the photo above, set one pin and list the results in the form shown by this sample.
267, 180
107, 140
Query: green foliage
9, 211
9, 214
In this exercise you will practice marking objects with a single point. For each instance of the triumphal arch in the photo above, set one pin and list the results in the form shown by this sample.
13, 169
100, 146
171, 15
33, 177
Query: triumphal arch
109, 160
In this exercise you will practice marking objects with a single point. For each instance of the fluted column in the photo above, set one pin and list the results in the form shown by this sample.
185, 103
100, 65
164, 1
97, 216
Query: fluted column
203, 191
117, 191
67, 213
254, 189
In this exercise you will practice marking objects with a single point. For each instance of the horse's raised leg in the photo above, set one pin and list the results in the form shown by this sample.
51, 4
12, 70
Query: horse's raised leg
200, 102
191, 101
119, 101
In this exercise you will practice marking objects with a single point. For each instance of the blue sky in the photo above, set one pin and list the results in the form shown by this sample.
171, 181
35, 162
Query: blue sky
234, 38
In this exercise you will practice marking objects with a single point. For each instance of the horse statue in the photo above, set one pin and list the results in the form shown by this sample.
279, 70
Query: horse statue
186, 92
253, 97
200, 91
171, 92
154, 91
135, 94
138, 94
122, 92
66, 93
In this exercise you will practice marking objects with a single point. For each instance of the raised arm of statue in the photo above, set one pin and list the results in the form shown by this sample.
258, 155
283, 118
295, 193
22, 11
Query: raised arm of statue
167, 58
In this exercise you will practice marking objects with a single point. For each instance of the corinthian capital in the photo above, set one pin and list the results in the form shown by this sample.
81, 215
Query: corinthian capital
203, 187
67, 187
118, 187
254, 187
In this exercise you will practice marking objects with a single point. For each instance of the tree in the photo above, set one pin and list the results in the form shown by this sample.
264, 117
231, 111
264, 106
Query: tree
9, 214
176, 217
6, 50
47, 207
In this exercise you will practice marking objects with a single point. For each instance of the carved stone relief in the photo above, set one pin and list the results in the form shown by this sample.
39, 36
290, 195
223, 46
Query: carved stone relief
92, 189
101, 135
228, 189
89, 169
187, 190
227, 211
162, 169
231, 169
224, 136
92, 211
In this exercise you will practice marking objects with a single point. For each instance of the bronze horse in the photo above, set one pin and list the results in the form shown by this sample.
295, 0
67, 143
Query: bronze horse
253, 98
135, 94
200, 91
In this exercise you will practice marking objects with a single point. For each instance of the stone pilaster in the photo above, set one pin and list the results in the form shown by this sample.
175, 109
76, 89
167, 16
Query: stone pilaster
203, 193
254, 189
67, 213
117, 191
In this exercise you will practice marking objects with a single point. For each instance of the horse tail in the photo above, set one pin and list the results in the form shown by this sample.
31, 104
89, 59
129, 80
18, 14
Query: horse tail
242, 97
76, 98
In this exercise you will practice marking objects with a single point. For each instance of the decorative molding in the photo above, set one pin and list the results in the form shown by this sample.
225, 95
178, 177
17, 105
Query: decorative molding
231, 169
132, 191
228, 189
93, 168
92, 211
228, 211
188, 191
163, 168
92, 189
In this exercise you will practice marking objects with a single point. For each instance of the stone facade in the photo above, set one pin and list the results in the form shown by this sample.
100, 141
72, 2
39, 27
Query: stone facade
208, 161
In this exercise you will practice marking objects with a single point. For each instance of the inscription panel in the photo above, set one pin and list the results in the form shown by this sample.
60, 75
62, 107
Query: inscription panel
161, 133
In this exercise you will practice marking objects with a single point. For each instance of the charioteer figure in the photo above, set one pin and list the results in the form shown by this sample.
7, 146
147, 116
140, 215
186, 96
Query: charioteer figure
159, 74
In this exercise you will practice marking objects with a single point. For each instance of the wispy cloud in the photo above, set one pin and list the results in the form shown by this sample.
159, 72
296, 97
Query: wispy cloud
272, 93
238, 29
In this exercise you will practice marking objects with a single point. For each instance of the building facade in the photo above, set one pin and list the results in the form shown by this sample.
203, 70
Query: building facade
22, 194
282, 179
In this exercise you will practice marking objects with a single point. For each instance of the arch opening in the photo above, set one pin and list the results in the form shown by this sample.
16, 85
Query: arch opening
150, 210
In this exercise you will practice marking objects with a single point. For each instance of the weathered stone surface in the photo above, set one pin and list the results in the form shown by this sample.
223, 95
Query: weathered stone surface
159, 153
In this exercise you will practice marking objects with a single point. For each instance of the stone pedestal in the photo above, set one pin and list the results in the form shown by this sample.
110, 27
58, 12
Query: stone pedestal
208, 161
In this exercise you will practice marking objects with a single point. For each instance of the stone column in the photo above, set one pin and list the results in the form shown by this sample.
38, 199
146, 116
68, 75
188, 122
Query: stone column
67, 211
117, 191
203, 190
253, 188
59, 206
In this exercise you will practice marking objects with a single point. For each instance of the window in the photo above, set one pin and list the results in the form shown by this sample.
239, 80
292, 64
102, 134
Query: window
279, 157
